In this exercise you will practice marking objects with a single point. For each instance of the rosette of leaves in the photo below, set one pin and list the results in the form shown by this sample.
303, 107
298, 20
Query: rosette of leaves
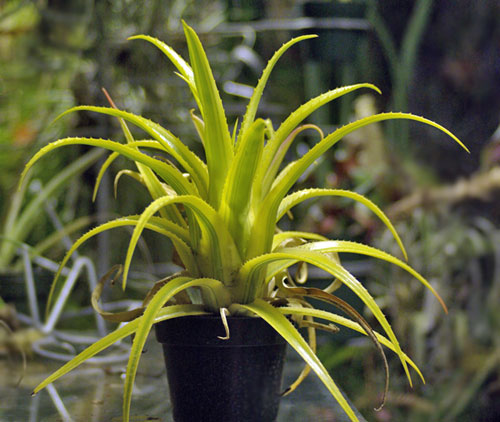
222, 217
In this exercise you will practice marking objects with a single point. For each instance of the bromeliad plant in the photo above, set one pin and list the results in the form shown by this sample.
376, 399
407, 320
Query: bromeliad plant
221, 216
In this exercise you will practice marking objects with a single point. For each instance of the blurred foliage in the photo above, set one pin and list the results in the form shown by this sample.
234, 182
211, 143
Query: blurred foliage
452, 236
58, 53
457, 247
459, 351
34, 89
401, 62
455, 76
35, 86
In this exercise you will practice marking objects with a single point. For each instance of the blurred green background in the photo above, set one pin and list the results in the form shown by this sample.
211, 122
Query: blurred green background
435, 58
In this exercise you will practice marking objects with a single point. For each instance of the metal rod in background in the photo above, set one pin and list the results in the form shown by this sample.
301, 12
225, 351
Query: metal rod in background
30, 287
58, 403
80, 264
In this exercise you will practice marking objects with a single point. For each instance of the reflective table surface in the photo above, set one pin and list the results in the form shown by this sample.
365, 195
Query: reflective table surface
94, 393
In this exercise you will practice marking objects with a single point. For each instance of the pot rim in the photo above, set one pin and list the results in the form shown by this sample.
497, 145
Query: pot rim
207, 330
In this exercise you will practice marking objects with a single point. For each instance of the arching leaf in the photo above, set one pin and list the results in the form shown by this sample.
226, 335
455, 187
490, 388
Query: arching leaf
249, 277
281, 237
276, 319
261, 238
253, 104
168, 173
272, 160
146, 322
297, 197
179, 236
217, 257
181, 65
171, 144
340, 320
217, 139
344, 246
174, 311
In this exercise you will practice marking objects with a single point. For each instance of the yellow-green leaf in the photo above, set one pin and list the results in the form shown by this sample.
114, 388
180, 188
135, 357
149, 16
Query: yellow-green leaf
276, 319
297, 197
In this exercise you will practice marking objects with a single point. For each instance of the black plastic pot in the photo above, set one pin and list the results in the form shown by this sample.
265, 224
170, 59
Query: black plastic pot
214, 380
